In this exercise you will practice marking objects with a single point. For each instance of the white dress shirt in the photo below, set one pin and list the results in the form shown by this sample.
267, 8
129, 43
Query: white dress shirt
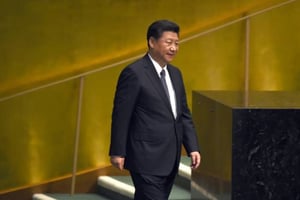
158, 69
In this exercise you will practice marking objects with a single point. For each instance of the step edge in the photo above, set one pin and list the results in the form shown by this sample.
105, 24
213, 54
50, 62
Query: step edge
116, 186
40, 196
185, 171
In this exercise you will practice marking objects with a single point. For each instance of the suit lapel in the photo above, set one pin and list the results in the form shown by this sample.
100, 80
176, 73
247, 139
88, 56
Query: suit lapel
156, 82
176, 85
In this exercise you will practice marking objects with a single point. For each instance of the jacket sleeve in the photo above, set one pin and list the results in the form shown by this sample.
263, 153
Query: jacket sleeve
125, 97
190, 140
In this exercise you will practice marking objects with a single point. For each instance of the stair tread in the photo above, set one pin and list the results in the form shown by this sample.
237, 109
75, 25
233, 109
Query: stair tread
87, 196
124, 179
179, 193
176, 193
185, 160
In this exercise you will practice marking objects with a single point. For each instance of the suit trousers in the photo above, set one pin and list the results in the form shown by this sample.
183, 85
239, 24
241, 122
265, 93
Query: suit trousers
151, 187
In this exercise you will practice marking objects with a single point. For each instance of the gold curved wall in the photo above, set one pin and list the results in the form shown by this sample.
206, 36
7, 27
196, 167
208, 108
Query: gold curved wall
43, 41
275, 47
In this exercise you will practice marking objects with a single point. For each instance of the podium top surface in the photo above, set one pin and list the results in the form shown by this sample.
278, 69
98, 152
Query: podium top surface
254, 99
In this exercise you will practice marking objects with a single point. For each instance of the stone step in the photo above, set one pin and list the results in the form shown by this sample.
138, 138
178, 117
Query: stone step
121, 187
69, 197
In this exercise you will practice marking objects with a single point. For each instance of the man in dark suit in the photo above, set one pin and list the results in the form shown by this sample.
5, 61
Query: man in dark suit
151, 119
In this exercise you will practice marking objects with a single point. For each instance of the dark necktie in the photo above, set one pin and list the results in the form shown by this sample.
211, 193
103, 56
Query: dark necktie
164, 83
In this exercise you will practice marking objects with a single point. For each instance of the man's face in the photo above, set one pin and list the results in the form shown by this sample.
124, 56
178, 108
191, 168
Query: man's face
164, 49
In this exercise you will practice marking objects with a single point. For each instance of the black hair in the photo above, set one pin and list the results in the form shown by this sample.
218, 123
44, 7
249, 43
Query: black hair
157, 28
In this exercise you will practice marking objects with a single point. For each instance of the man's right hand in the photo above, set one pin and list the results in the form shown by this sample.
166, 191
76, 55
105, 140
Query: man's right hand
117, 161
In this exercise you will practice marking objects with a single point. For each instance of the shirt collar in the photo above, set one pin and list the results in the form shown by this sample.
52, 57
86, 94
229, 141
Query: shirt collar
157, 67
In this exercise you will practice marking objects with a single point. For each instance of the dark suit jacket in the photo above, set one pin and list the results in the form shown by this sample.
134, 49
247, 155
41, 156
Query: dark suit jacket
144, 130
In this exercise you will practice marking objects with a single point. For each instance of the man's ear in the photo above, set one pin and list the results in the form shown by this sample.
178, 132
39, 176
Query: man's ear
151, 42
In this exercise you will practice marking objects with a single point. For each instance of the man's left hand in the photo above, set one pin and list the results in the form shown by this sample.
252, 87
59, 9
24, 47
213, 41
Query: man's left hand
195, 159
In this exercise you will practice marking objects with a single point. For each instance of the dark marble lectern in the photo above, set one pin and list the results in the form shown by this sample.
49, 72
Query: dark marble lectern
250, 145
